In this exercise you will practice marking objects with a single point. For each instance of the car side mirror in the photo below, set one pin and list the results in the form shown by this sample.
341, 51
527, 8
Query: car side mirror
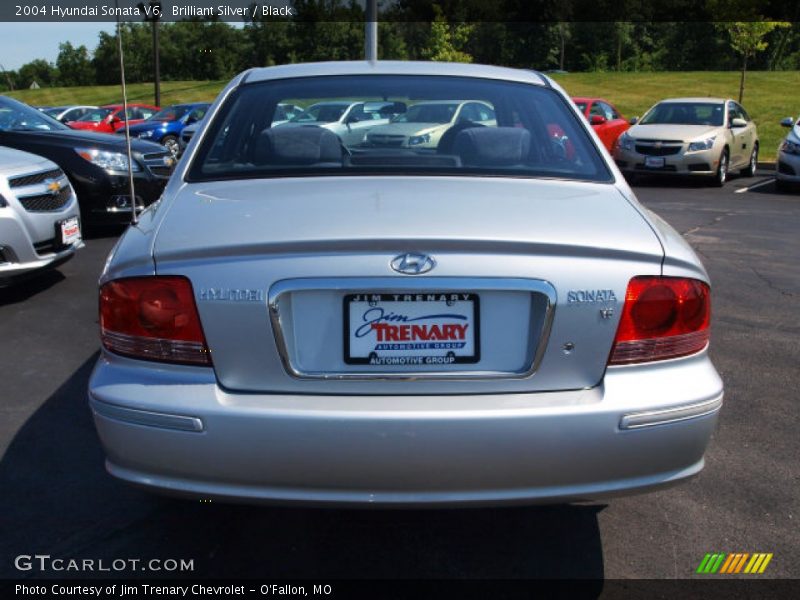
597, 119
633, 120
787, 122
737, 122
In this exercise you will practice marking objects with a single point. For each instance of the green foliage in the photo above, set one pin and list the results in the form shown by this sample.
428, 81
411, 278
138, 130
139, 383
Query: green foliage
747, 37
74, 65
40, 71
445, 41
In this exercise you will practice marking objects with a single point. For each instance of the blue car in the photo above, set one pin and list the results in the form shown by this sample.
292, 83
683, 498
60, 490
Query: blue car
166, 125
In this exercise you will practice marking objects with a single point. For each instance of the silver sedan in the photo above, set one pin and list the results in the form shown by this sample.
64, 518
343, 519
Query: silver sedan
494, 320
39, 215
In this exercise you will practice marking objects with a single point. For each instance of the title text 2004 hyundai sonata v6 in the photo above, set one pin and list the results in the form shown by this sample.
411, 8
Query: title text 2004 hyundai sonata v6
493, 320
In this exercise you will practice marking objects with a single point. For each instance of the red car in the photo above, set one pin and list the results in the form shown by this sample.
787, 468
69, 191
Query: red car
606, 120
109, 118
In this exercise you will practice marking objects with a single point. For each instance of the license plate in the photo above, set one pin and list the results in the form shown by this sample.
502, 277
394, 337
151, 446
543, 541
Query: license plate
70, 231
654, 162
411, 329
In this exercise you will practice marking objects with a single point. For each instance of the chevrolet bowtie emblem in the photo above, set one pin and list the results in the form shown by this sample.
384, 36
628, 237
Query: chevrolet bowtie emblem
53, 186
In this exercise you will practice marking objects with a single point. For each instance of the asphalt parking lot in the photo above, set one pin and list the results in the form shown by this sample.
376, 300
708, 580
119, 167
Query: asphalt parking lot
55, 497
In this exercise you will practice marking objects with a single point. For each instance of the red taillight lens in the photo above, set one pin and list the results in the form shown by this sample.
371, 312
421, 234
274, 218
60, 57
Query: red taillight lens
663, 317
153, 318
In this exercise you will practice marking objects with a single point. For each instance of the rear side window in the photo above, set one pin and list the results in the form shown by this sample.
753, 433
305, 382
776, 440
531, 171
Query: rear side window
413, 125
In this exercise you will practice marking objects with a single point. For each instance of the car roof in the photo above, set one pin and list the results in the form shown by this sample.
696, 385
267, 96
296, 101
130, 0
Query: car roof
113, 106
706, 100
392, 67
589, 99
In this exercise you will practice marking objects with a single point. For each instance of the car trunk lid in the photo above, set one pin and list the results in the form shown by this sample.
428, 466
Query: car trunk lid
544, 259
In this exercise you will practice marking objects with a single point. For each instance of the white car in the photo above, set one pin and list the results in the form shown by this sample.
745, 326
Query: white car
787, 169
694, 137
39, 216
351, 121
67, 113
425, 123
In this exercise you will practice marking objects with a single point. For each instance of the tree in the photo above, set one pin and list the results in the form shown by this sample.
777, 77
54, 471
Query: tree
39, 70
445, 43
74, 65
747, 38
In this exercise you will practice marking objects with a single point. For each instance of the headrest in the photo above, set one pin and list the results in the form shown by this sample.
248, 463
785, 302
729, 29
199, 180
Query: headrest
493, 146
306, 145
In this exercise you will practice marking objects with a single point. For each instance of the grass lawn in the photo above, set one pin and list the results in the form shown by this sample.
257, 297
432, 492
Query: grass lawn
172, 92
769, 96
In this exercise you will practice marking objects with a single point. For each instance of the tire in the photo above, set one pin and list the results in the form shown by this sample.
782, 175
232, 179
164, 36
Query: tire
171, 143
721, 175
782, 186
750, 169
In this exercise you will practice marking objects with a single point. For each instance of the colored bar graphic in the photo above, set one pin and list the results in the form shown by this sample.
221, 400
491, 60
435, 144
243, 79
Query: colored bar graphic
741, 562
720, 562
727, 564
704, 563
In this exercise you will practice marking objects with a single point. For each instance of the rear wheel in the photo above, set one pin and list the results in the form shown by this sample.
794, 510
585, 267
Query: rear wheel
722, 170
750, 169
782, 186
171, 143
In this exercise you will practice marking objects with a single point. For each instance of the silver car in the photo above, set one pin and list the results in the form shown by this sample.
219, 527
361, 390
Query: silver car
701, 137
497, 322
351, 121
39, 215
787, 168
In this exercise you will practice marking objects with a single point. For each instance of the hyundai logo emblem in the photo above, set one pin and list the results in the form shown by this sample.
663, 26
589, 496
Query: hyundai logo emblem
412, 264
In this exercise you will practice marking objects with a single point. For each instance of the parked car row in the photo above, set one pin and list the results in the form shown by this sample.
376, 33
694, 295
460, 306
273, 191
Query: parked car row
163, 126
55, 179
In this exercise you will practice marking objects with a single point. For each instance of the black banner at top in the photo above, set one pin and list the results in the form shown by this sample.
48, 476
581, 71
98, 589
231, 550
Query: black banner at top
399, 10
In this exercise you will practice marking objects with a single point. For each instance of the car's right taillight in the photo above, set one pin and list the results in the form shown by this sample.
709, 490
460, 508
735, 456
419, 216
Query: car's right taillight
152, 318
663, 317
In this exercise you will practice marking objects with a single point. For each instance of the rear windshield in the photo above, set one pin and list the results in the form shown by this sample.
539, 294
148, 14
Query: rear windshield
416, 125
685, 113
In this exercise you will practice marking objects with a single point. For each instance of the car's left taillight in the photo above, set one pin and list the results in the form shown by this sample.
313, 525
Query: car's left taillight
152, 318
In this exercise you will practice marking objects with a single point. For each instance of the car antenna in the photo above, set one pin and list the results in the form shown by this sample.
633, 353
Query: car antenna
134, 218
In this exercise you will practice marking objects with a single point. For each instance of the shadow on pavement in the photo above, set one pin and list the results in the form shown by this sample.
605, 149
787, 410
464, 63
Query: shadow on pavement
35, 283
57, 499
94, 231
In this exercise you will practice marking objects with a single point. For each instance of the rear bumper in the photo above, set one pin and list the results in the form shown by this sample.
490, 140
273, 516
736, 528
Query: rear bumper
176, 431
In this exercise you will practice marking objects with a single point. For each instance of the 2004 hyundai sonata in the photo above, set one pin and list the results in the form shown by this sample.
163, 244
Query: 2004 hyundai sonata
494, 320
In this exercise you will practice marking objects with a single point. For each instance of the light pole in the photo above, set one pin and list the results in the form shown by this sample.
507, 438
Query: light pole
371, 31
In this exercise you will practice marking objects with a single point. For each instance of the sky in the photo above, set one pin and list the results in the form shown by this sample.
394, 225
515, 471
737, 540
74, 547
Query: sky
21, 43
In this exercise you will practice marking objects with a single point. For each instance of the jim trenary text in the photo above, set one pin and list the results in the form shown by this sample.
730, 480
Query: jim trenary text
143, 589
